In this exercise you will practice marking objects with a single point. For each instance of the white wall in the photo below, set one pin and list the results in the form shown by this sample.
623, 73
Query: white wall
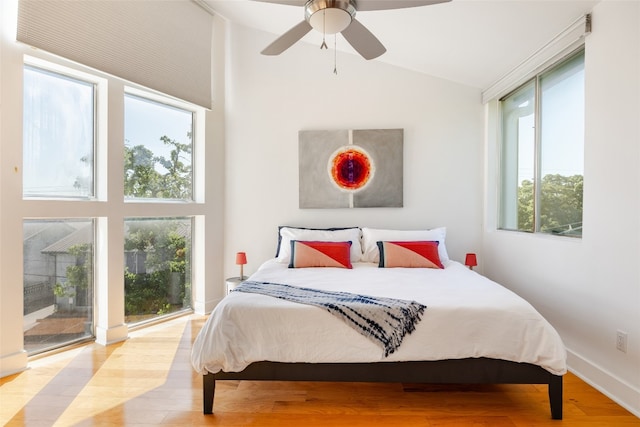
269, 99
589, 288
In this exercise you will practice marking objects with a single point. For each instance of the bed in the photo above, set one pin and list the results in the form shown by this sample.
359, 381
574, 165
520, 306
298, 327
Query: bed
472, 331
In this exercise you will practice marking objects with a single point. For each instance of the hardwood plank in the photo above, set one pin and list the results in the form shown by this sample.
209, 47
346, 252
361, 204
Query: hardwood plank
148, 380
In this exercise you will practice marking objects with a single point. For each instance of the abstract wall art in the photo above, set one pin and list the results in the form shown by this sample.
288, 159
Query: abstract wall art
350, 168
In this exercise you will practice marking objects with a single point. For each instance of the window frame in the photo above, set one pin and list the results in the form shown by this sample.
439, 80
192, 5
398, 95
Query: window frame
188, 275
537, 155
95, 82
90, 330
176, 104
108, 208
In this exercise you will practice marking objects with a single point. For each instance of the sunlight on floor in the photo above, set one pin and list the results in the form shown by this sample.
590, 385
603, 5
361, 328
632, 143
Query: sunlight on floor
81, 383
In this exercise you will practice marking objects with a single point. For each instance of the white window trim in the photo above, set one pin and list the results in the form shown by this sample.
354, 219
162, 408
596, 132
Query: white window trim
108, 208
198, 145
494, 107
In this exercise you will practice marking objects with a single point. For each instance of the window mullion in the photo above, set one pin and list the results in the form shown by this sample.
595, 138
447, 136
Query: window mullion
537, 158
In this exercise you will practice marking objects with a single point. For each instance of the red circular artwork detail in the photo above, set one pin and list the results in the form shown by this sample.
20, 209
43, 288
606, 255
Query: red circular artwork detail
351, 169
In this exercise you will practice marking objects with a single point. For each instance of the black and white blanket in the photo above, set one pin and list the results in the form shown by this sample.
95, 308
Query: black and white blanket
385, 321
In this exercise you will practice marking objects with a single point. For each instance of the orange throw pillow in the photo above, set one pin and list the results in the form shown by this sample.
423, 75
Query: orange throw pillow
418, 254
320, 254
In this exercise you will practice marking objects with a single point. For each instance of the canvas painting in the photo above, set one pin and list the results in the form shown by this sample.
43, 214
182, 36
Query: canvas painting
351, 168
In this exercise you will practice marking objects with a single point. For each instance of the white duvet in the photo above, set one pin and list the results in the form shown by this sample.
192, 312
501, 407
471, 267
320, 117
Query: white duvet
467, 315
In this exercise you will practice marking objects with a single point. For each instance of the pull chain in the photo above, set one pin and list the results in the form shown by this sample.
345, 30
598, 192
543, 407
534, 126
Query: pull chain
335, 54
324, 29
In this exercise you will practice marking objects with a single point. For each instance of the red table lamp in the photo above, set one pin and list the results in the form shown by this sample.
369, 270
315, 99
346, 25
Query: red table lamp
471, 261
241, 260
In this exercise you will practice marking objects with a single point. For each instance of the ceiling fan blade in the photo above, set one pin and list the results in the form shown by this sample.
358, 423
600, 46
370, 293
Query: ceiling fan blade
364, 5
287, 2
363, 40
288, 39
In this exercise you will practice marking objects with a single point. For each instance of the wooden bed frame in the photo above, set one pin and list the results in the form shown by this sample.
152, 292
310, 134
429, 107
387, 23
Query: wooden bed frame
458, 371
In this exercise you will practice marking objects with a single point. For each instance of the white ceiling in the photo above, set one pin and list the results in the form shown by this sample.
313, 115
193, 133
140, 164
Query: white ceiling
474, 42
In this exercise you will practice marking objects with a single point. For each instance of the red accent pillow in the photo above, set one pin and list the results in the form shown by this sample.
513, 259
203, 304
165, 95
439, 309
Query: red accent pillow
418, 254
320, 254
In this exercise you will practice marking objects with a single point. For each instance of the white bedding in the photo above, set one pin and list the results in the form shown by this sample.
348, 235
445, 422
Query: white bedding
467, 315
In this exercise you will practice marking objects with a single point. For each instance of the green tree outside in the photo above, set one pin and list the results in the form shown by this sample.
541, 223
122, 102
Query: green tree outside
79, 275
560, 205
142, 171
163, 287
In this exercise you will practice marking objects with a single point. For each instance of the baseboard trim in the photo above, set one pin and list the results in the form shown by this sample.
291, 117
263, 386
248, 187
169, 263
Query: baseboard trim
13, 363
111, 335
618, 390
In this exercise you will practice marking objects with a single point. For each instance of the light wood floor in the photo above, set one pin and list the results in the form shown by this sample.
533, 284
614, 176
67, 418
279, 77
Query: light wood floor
148, 380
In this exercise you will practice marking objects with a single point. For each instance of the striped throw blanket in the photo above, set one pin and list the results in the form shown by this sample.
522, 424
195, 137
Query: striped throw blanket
385, 321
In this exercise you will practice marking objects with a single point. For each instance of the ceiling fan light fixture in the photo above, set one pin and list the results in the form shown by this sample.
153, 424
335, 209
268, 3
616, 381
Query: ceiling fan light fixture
329, 16
339, 16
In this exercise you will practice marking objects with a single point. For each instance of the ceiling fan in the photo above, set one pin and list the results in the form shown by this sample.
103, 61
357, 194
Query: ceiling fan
339, 16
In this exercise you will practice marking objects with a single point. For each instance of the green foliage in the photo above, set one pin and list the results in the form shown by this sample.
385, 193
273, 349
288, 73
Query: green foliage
145, 293
166, 261
560, 205
140, 176
525, 206
149, 176
78, 275
61, 290
176, 183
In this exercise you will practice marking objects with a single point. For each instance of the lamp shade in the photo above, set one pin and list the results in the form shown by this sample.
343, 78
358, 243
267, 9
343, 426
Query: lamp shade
471, 260
241, 258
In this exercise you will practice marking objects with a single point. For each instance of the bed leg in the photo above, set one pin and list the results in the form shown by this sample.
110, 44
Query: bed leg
555, 397
208, 391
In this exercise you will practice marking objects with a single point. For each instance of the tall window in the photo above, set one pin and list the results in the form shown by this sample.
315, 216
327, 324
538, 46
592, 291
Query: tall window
157, 166
58, 163
73, 203
58, 135
542, 159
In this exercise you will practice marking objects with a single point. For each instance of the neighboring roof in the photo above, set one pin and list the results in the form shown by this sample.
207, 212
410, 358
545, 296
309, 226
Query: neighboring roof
184, 229
33, 228
78, 237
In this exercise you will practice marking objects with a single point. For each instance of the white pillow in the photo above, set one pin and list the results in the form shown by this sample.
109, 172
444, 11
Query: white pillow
287, 234
371, 237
